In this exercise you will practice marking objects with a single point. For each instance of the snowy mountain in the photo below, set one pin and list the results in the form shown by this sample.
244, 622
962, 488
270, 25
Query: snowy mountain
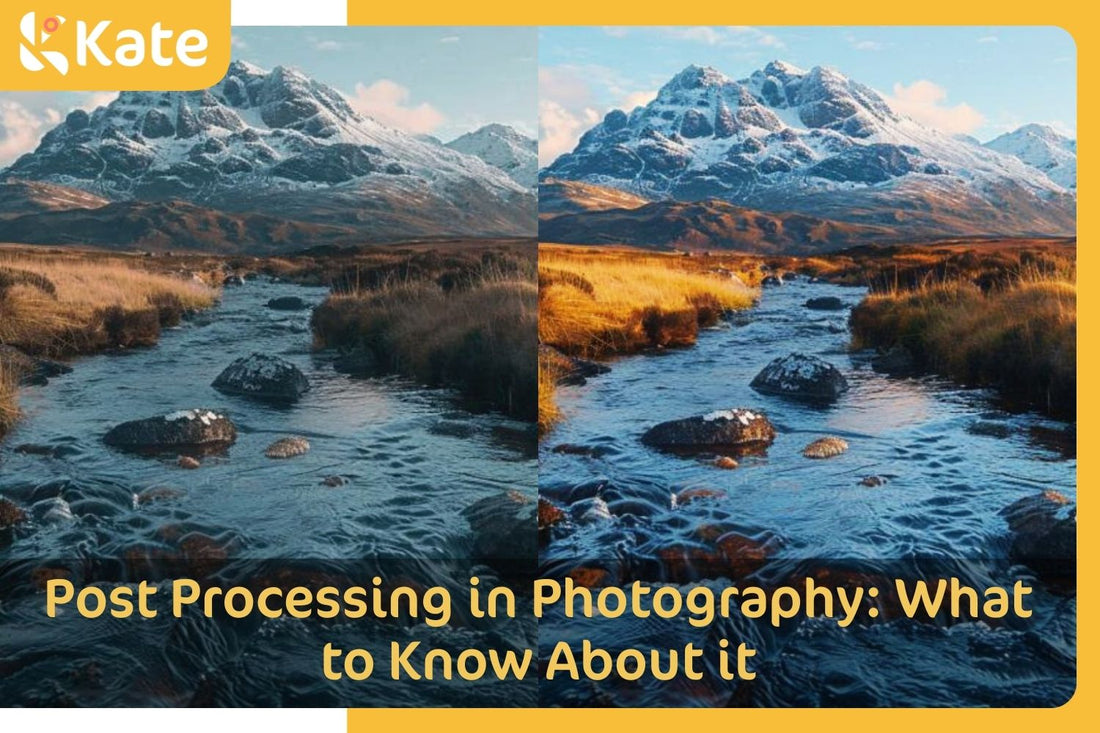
278, 143
503, 147
817, 143
1040, 146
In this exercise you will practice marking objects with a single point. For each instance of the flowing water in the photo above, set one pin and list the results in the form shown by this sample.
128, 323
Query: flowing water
411, 460
952, 458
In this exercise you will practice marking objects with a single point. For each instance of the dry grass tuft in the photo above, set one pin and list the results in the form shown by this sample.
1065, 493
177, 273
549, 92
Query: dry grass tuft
464, 319
1019, 336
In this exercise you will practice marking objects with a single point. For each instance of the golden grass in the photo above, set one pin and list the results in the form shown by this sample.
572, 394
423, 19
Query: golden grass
593, 303
66, 303
479, 337
1020, 337
598, 302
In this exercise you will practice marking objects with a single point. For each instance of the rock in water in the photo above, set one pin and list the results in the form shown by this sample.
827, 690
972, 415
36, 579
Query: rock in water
263, 377
826, 303
725, 462
898, 361
1044, 534
771, 281
505, 533
738, 430
801, 376
188, 462
200, 429
872, 482
287, 303
10, 514
287, 447
825, 447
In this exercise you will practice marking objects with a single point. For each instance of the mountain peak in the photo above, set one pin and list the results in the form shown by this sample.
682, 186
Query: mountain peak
502, 147
782, 68
696, 77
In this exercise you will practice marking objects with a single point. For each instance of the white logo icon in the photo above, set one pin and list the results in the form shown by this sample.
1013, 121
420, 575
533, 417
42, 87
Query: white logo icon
32, 36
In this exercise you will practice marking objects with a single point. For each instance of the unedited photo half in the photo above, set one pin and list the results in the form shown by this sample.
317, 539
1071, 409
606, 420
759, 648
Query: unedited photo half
807, 354
279, 334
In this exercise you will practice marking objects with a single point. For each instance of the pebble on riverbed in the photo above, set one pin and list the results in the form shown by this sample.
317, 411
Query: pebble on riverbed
825, 447
188, 462
287, 447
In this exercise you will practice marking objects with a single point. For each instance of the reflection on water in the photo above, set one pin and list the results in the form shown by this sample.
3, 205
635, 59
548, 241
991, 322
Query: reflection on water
947, 475
410, 460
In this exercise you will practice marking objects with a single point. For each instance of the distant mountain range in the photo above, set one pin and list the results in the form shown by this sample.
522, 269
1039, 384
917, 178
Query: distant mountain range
503, 147
259, 148
814, 143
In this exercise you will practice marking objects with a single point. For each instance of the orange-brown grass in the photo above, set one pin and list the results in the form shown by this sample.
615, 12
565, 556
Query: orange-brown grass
61, 305
594, 303
1019, 336
473, 328
9, 408
599, 302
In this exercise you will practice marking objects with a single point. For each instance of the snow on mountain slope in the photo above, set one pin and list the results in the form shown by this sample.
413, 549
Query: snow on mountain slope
261, 138
814, 141
1040, 146
503, 147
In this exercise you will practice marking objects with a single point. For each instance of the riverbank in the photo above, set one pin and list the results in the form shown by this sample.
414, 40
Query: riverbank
1019, 337
57, 305
595, 303
455, 316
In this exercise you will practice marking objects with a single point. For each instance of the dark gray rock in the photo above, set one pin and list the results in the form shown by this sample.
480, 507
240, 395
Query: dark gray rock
196, 430
358, 362
1043, 531
288, 303
825, 303
801, 376
505, 533
264, 377
736, 430
898, 361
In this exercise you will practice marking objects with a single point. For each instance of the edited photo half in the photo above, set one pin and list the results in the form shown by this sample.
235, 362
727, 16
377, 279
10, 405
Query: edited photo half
807, 365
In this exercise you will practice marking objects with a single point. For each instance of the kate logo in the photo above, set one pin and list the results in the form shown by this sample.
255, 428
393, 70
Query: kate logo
35, 35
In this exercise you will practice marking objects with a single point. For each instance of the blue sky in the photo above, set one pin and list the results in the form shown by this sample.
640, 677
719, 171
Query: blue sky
981, 81
431, 80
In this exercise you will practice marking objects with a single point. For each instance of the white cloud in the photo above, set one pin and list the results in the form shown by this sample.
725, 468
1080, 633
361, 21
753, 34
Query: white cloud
21, 129
95, 100
924, 101
450, 39
738, 36
988, 39
560, 128
238, 43
388, 102
328, 45
569, 103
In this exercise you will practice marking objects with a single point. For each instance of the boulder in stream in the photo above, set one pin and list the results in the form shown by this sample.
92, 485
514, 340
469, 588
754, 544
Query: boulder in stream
287, 447
287, 303
1043, 531
801, 376
505, 533
201, 430
263, 377
825, 303
723, 431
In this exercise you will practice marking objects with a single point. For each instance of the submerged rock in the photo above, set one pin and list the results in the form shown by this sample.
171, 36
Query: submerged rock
334, 481
771, 281
263, 377
801, 376
872, 482
157, 493
571, 370
30, 370
10, 514
725, 462
358, 362
188, 462
826, 303
201, 429
505, 533
233, 280
287, 447
288, 303
825, 447
739, 430
1044, 534
898, 361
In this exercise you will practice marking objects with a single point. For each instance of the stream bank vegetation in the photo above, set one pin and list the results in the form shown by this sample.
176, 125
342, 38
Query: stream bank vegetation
598, 302
60, 303
461, 315
1007, 319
